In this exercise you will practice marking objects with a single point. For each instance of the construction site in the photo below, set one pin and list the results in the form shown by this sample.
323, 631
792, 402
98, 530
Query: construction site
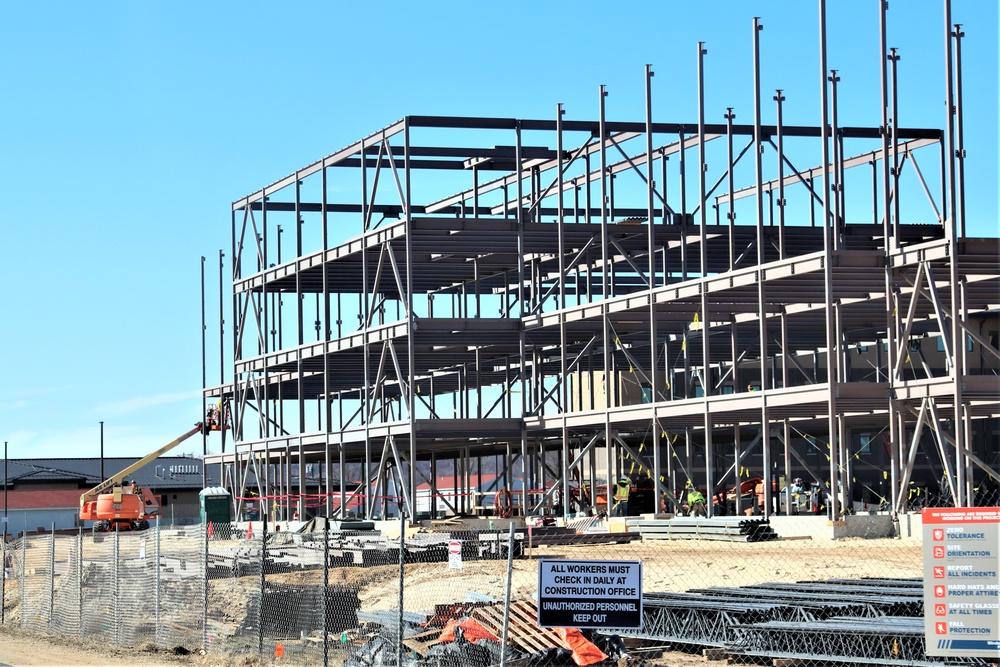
474, 316
739, 366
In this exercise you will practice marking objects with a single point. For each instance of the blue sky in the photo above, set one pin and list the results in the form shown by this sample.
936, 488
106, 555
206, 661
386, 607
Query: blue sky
129, 128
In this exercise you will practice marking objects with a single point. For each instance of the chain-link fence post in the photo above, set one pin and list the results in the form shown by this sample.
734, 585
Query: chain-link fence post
204, 598
79, 584
158, 600
52, 573
3, 579
115, 611
260, 606
402, 561
23, 578
326, 589
506, 598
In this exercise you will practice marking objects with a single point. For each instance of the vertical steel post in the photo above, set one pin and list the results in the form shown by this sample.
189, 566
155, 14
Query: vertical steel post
887, 229
787, 437
761, 260
521, 310
836, 184
949, 206
610, 382
234, 301
960, 142
366, 399
682, 173
960, 314
702, 52
325, 334
706, 359
204, 376
264, 406
894, 58
654, 367
731, 214
828, 247
563, 361
952, 234
874, 163
300, 332
222, 355
779, 98
890, 242
411, 358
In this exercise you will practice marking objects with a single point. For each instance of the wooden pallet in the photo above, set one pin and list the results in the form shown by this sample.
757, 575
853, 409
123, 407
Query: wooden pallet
523, 630
422, 643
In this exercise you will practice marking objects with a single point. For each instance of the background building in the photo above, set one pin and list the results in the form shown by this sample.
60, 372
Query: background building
40, 492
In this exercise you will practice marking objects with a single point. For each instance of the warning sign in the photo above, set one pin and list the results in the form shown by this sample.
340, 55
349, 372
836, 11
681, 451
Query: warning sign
589, 593
455, 555
961, 589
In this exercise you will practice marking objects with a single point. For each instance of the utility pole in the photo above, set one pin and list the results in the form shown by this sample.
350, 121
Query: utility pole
102, 451
5, 490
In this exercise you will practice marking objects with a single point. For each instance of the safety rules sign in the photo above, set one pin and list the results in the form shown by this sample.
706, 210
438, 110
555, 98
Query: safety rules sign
961, 589
589, 593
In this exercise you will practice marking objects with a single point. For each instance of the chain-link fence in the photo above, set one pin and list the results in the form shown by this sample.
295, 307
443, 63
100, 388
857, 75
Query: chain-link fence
793, 588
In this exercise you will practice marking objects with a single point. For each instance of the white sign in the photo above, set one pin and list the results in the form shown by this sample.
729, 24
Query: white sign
589, 593
961, 583
455, 554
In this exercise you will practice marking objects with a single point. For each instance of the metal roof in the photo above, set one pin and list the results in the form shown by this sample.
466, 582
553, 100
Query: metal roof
166, 472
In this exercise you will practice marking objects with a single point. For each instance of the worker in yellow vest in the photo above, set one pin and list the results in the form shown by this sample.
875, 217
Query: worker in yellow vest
696, 503
622, 489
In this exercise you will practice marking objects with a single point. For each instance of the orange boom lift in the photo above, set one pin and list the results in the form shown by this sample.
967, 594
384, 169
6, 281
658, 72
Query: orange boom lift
115, 505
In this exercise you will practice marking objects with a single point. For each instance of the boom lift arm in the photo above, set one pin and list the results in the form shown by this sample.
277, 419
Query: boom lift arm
116, 479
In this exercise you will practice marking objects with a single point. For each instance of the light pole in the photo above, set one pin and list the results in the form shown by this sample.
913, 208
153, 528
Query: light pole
102, 450
5, 490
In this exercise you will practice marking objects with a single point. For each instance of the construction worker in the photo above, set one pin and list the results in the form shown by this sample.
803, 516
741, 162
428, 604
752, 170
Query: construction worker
798, 491
622, 489
759, 493
696, 503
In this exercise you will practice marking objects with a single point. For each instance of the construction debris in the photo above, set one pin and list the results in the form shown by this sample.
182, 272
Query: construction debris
472, 637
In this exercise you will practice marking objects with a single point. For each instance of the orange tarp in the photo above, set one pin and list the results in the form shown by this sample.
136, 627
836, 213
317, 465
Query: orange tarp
584, 651
472, 631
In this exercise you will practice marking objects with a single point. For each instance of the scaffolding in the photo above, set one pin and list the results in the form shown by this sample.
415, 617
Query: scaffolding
576, 301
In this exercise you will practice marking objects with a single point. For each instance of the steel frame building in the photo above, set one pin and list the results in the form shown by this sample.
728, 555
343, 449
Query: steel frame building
586, 299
